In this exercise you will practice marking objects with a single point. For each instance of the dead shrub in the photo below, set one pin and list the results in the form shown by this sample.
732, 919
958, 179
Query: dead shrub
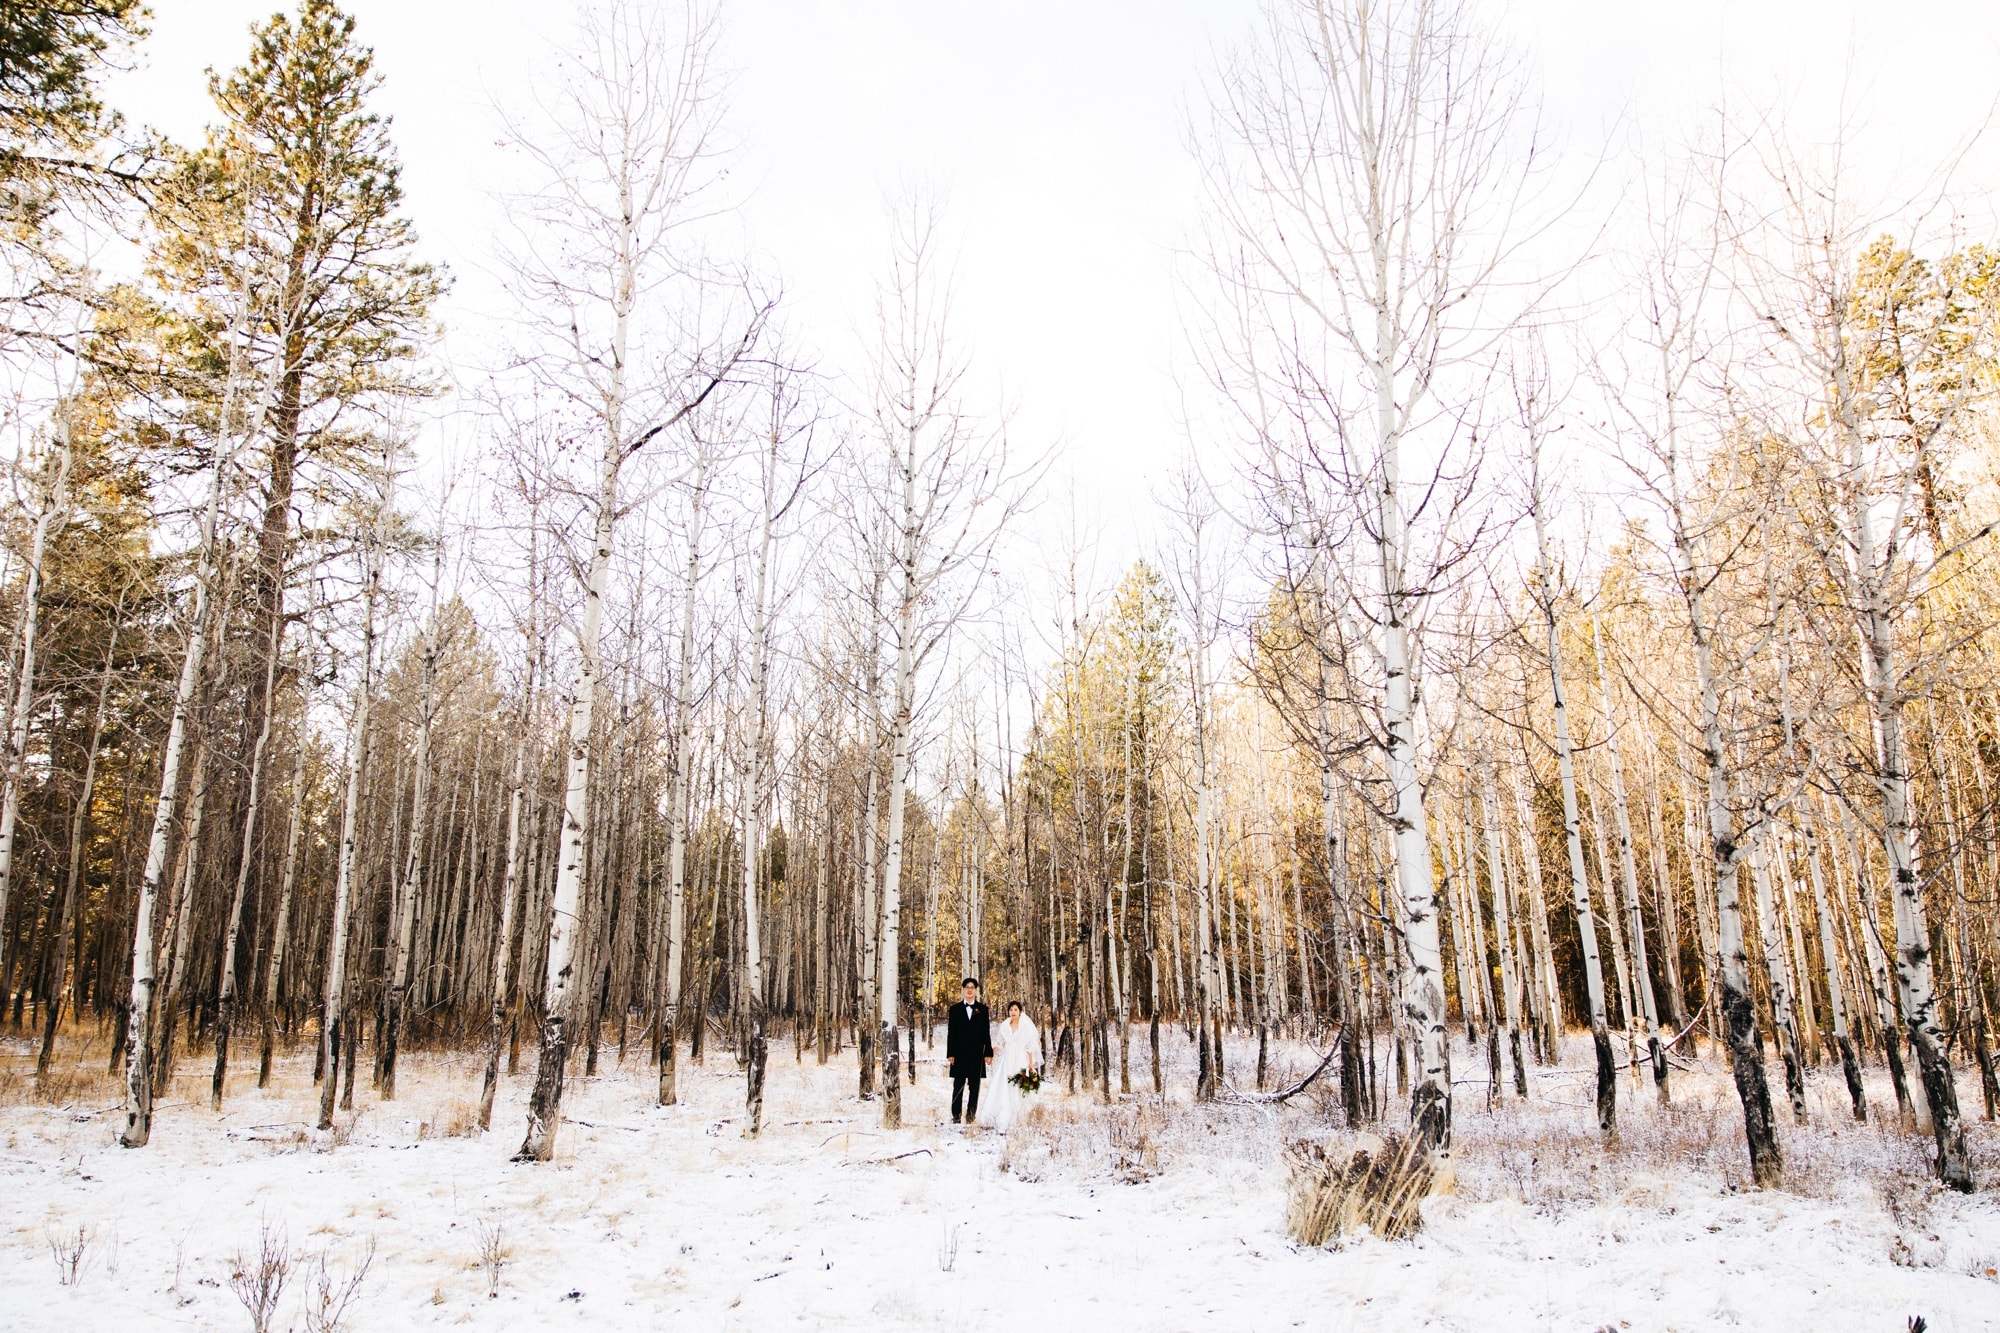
258, 1279
1911, 1201
454, 1118
1133, 1146
339, 1134
332, 1289
493, 1252
1078, 1139
1375, 1184
71, 1251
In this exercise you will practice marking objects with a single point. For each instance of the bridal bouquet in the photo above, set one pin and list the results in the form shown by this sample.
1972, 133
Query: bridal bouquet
1027, 1080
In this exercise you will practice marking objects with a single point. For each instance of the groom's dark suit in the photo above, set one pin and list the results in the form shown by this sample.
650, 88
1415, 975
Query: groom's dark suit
968, 1042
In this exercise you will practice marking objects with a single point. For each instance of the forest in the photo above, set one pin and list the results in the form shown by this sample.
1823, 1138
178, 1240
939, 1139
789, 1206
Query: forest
1558, 696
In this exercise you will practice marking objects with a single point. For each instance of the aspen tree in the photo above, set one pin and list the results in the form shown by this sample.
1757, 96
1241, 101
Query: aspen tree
622, 171
938, 470
1657, 409
1642, 977
1873, 335
678, 792
79, 824
1535, 421
281, 930
402, 942
139, 1017
1348, 159
1850, 1063
1503, 925
336, 1034
780, 483
51, 511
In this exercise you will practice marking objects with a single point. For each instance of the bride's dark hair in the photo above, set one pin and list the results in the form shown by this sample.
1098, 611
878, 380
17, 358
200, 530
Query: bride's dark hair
1016, 1004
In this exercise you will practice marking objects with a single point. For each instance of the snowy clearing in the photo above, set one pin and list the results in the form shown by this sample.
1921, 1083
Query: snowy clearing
1122, 1218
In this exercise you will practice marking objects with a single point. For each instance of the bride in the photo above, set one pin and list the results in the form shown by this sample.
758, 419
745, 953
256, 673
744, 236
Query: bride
1017, 1045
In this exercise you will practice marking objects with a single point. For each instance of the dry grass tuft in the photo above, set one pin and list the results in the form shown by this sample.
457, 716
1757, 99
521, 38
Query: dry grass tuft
1375, 1185
1076, 1138
65, 1085
453, 1118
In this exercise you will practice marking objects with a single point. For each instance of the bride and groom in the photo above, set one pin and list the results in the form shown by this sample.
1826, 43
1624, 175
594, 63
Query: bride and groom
978, 1048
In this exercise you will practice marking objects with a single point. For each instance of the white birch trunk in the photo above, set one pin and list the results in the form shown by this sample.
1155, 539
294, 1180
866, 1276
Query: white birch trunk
1778, 969
753, 818
226, 984
138, 1103
52, 511
503, 944
1422, 993
1628, 871
1836, 999
334, 1036
678, 794
1739, 1015
892, 859
1586, 925
1914, 982
402, 944
1503, 930
561, 984
281, 931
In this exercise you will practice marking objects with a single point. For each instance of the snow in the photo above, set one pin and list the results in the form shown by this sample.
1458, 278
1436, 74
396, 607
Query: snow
1131, 1217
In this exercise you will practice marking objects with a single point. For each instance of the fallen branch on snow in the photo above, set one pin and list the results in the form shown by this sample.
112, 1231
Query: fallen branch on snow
1277, 1098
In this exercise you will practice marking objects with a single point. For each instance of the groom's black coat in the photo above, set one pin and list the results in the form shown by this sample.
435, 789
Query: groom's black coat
968, 1041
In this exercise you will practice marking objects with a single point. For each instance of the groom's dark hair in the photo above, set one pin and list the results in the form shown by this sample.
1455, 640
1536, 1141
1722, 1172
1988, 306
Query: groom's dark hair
970, 981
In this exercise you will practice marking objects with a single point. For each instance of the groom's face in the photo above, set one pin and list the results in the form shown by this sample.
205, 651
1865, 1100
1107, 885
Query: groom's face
971, 994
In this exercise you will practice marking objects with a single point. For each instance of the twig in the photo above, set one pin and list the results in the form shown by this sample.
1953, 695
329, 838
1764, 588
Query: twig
883, 1161
1690, 1027
1276, 1098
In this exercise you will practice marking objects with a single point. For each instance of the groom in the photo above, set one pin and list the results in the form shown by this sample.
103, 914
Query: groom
968, 1046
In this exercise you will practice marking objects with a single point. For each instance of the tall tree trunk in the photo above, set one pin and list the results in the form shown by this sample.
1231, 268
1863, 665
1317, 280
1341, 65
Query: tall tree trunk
679, 790
1503, 928
281, 927
287, 878
335, 1038
1739, 1015
402, 944
1642, 973
79, 824
1888, 1001
1784, 1014
1586, 925
53, 509
138, 1102
560, 988
246, 857
1913, 940
512, 888
1836, 999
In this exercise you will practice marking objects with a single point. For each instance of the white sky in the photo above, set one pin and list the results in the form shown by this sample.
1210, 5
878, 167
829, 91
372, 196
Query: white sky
1057, 127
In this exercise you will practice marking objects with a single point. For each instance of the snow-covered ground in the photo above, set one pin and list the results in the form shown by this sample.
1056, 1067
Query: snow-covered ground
1133, 1217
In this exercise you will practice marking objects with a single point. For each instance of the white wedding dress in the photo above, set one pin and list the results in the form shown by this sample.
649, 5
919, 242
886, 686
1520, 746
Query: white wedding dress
1016, 1046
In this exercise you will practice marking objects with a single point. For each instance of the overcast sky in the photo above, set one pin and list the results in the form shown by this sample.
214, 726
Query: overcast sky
1057, 127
